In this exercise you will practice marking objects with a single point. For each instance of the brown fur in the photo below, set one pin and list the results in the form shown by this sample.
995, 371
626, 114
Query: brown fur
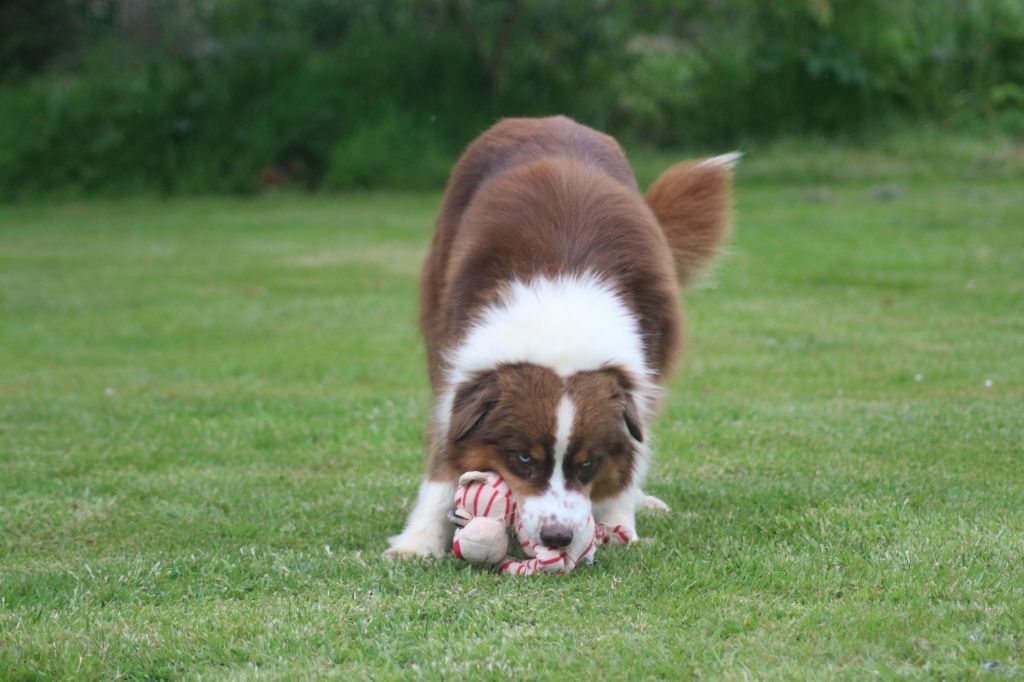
547, 197
602, 401
511, 410
691, 201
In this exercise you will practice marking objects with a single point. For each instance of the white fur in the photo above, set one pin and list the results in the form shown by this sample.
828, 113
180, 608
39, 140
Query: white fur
621, 509
557, 504
569, 323
654, 504
564, 418
427, 532
728, 160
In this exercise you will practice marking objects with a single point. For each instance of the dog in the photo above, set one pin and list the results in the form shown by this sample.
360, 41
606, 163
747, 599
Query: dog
550, 304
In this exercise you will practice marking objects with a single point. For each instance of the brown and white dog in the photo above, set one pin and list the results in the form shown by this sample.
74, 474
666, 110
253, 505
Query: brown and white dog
550, 305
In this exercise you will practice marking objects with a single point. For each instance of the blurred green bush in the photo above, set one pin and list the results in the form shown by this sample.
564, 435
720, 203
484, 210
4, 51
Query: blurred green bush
237, 95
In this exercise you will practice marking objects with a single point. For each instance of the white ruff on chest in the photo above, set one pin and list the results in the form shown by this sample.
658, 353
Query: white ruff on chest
569, 324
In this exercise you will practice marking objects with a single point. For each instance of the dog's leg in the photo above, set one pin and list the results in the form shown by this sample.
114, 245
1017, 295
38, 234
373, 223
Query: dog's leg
620, 511
652, 503
427, 531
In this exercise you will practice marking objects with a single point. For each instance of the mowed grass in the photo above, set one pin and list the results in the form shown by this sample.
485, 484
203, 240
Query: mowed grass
211, 415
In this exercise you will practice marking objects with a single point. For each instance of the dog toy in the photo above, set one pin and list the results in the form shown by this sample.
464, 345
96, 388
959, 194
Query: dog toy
485, 510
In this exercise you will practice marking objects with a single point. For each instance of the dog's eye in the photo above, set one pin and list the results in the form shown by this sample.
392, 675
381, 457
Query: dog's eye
524, 458
587, 470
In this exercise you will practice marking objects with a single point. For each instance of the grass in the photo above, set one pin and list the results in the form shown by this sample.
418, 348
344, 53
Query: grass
211, 410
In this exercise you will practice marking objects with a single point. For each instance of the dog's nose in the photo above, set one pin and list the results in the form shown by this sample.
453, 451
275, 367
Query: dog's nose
556, 535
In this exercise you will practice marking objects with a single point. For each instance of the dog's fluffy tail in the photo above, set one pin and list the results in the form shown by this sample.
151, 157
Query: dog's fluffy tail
693, 202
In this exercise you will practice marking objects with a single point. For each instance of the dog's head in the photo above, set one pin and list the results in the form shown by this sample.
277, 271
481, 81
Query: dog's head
558, 441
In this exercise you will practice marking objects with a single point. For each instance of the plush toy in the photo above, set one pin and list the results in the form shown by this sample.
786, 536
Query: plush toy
485, 509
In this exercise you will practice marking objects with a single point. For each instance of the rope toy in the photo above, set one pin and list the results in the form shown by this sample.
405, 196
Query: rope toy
485, 510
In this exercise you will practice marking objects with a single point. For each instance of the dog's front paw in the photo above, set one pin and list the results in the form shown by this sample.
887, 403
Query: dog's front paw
652, 503
399, 553
618, 534
416, 546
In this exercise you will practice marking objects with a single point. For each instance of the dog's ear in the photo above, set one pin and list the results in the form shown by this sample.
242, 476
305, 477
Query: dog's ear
692, 202
474, 398
630, 410
631, 415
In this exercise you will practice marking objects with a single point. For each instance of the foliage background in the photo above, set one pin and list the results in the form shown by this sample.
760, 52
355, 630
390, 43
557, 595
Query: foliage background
201, 96
211, 408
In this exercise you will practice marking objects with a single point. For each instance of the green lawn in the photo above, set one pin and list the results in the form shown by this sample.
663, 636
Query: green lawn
211, 413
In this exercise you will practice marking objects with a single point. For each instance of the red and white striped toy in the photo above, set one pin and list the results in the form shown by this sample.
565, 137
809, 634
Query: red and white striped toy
485, 509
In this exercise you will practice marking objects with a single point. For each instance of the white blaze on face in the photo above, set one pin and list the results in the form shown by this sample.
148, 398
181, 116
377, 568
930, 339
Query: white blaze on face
557, 504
